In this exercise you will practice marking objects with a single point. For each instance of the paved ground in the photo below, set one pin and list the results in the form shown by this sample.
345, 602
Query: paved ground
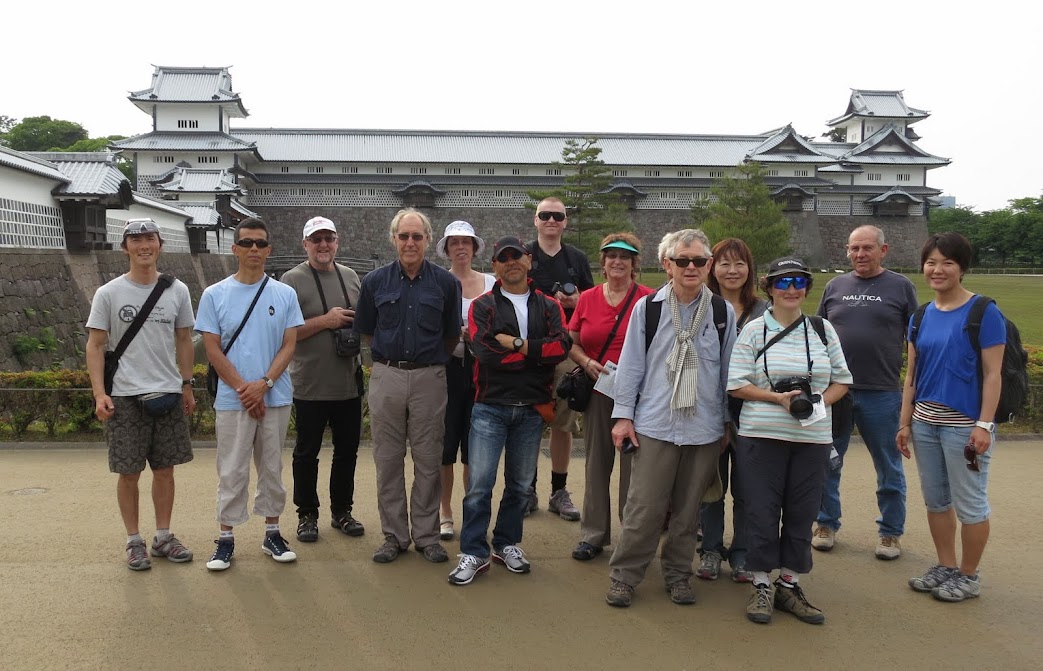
68, 602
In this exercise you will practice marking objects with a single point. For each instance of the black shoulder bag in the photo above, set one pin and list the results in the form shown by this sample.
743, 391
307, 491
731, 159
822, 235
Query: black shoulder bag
112, 359
576, 387
211, 373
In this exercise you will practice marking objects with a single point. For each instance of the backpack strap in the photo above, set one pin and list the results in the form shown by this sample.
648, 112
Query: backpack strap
654, 309
917, 320
973, 328
818, 324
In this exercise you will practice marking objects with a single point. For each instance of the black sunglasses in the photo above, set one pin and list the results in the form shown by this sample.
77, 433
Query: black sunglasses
319, 239
545, 216
783, 283
971, 455
247, 242
699, 261
417, 237
508, 255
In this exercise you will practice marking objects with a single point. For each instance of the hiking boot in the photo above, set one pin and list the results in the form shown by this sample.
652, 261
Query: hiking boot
434, 553
276, 547
824, 538
709, 566
347, 524
222, 557
681, 592
957, 588
619, 594
739, 572
534, 502
445, 529
761, 604
889, 547
137, 556
935, 577
308, 528
468, 569
173, 549
585, 551
792, 600
388, 552
561, 503
513, 558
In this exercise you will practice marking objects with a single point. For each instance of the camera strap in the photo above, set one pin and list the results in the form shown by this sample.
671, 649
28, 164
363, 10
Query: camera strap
322, 295
779, 336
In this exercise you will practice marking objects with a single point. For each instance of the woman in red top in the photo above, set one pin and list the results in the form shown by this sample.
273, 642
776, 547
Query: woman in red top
596, 314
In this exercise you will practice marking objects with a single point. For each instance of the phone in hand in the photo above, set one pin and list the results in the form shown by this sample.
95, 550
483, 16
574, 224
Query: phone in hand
628, 446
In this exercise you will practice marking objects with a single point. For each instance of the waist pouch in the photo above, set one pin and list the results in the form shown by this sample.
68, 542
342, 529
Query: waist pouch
158, 405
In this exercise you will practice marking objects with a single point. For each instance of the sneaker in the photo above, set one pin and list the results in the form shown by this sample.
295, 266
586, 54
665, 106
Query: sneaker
445, 529
957, 588
513, 558
739, 572
761, 604
137, 556
619, 594
935, 577
792, 600
824, 538
561, 503
709, 566
681, 592
468, 569
388, 552
434, 553
277, 548
889, 547
308, 528
347, 524
173, 549
585, 551
222, 557
534, 502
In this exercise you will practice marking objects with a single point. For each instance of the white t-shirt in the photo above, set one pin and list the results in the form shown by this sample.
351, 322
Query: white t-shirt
466, 307
521, 309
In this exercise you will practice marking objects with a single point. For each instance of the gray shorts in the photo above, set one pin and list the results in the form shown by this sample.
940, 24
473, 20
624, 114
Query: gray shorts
134, 437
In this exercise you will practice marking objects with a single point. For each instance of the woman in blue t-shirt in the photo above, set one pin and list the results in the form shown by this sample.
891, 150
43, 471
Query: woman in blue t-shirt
948, 410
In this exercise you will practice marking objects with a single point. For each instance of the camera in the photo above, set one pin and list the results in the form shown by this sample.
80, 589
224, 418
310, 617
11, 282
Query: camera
803, 404
567, 288
347, 343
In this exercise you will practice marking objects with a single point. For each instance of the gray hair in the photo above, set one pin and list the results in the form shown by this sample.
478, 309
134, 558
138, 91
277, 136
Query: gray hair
667, 244
879, 233
402, 214
687, 236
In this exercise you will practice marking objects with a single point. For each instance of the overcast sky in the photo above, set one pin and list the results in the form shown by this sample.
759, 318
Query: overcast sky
650, 66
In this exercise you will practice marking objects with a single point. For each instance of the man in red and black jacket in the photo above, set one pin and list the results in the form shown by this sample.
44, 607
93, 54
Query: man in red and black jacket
518, 335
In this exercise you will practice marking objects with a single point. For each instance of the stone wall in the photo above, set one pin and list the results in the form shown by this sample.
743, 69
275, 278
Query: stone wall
905, 237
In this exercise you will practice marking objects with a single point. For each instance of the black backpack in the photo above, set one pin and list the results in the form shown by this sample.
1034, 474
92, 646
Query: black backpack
1014, 376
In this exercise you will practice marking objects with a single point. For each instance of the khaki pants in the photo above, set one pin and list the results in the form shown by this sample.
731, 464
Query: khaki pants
408, 405
596, 527
240, 436
663, 475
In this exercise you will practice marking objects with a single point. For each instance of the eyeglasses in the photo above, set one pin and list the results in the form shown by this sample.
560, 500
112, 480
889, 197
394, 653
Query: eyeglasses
699, 261
319, 239
545, 216
971, 455
626, 256
247, 242
416, 237
508, 255
783, 283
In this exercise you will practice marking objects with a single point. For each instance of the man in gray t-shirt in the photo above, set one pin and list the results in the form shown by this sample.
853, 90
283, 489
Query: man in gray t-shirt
870, 308
157, 362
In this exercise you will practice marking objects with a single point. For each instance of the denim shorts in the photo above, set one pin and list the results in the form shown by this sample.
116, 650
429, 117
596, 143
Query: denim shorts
944, 477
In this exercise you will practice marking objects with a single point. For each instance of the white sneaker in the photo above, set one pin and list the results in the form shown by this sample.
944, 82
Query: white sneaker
513, 558
823, 539
445, 529
889, 547
468, 569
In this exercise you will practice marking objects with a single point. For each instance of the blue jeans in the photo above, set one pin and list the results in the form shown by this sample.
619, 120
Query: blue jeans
711, 515
876, 415
516, 430
944, 477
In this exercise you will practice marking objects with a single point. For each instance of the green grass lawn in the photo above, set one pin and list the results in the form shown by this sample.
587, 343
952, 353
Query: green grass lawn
1020, 297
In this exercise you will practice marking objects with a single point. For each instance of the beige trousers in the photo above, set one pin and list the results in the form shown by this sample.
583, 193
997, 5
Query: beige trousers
239, 437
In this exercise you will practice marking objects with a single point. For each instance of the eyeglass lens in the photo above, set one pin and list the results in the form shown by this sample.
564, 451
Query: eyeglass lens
247, 242
545, 216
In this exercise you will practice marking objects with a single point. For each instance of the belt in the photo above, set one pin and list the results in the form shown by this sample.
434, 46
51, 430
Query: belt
407, 365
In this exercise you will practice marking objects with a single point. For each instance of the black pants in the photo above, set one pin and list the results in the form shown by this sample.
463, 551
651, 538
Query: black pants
460, 387
345, 421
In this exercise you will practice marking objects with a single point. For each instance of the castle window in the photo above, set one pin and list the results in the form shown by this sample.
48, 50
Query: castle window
350, 170
284, 168
519, 171
874, 176
651, 173
904, 177
187, 123
800, 173
383, 170
207, 159
452, 171
486, 171
162, 159
553, 171
716, 173
315, 169
684, 173
619, 173
417, 171
771, 173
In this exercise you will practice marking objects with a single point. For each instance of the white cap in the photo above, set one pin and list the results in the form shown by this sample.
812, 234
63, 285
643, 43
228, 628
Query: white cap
318, 224
461, 228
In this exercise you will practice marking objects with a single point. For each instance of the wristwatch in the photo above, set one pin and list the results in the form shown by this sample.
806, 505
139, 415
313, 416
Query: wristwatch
518, 344
268, 381
988, 426
186, 383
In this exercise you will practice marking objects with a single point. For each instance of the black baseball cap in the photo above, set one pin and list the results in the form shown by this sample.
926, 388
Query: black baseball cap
508, 242
788, 265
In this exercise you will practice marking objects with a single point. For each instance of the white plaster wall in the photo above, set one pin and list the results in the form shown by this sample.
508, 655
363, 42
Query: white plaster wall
167, 116
26, 187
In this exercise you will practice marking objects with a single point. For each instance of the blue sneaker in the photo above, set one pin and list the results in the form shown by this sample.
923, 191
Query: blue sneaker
222, 558
276, 547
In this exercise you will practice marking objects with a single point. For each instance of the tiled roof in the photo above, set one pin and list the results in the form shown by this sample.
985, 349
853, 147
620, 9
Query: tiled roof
164, 205
184, 141
788, 147
875, 103
28, 163
92, 174
241, 209
417, 184
197, 180
894, 194
870, 151
792, 186
190, 85
203, 214
867, 189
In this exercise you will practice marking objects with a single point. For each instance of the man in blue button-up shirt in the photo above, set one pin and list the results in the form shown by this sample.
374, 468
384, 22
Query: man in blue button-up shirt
409, 314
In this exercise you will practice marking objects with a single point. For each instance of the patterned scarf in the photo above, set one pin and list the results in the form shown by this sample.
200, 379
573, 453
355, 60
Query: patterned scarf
682, 364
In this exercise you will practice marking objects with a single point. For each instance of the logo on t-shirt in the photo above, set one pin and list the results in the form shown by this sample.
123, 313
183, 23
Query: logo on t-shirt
862, 299
271, 310
128, 313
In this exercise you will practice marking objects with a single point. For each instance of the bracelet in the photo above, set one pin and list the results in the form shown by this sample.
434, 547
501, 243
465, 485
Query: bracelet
905, 426
587, 365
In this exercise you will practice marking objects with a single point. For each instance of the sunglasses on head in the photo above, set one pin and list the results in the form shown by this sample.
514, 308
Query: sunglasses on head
508, 255
971, 455
545, 216
247, 242
699, 261
319, 239
783, 283
417, 237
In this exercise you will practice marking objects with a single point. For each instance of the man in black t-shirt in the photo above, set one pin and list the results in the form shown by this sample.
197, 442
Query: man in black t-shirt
561, 271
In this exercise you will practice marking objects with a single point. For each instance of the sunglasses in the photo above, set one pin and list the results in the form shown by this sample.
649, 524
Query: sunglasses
247, 242
545, 216
784, 283
700, 262
619, 255
319, 239
417, 237
971, 455
508, 255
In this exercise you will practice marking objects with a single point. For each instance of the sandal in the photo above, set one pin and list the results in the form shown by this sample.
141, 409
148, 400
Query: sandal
347, 524
446, 531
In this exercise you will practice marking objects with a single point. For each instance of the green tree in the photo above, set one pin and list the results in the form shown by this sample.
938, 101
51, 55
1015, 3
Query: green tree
41, 133
836, 135
593, 211
743, 208
7, 123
